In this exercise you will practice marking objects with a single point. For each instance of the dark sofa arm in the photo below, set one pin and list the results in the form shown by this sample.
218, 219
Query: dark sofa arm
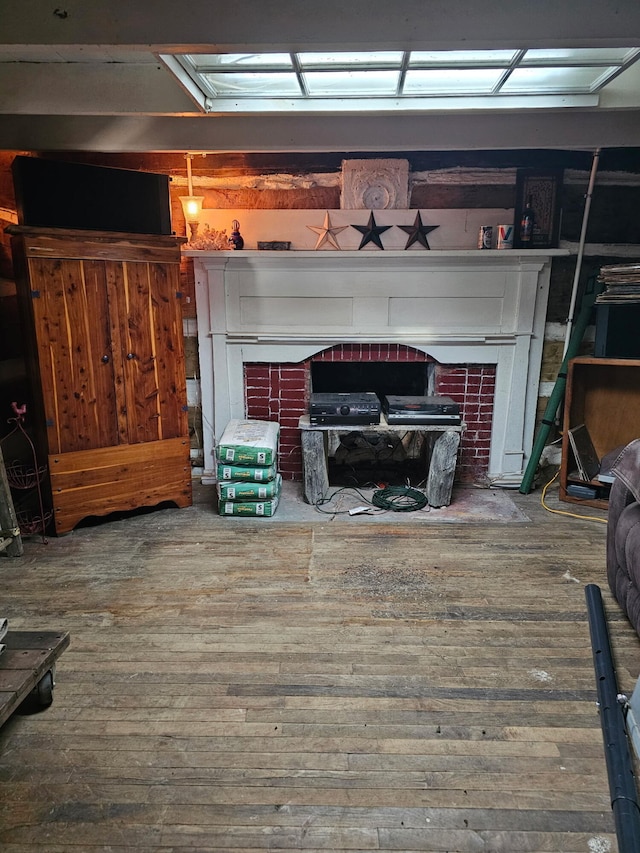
624, 491
626, 486
627, 468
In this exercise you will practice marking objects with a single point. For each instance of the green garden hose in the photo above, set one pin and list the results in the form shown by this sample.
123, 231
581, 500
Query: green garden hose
399, 499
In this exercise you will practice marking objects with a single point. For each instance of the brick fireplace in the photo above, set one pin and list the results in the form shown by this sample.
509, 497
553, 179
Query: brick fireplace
280, 392
265, 317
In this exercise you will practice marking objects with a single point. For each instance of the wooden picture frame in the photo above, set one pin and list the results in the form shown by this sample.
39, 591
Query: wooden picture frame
543, 186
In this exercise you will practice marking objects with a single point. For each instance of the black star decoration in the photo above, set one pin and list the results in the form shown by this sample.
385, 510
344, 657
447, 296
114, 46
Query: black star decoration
371, 232
418, 232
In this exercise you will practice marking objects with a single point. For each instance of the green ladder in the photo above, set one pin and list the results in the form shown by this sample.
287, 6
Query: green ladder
557, 395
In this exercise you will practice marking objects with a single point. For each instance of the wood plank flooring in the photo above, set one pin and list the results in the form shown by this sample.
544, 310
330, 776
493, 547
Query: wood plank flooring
244, 685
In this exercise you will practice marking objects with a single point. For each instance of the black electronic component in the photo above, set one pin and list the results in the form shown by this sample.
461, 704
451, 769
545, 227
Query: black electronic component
421, 410
344, 408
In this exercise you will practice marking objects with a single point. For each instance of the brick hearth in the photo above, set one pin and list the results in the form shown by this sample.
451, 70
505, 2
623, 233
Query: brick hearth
280, 392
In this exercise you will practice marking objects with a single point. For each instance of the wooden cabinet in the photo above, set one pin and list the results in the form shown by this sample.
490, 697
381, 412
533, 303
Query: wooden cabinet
103, 321
603, 394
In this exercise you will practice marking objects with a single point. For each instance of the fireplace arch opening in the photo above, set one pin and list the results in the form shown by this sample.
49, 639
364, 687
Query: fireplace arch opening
414, 378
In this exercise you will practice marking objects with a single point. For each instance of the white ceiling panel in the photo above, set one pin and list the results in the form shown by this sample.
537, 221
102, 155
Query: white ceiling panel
87, 76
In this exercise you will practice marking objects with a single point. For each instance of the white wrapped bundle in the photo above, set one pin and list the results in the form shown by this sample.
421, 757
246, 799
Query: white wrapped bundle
256, 509
246, 473
249, 442
247, 490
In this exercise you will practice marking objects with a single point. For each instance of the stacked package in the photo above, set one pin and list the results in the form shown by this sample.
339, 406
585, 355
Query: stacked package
248, 482
622, 283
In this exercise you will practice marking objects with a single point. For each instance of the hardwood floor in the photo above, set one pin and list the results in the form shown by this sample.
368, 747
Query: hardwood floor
239, 685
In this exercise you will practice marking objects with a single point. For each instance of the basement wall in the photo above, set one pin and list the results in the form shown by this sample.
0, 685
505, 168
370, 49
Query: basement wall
446, 180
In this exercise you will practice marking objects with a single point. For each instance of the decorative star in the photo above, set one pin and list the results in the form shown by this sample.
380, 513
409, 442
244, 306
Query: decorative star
418, 232
371, 232
327, 234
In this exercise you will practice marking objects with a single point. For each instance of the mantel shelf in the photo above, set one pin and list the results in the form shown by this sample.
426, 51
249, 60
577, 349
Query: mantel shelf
505, 255
615, 250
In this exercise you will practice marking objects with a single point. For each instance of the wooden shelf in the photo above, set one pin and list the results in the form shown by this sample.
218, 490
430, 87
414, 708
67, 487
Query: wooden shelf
603, 394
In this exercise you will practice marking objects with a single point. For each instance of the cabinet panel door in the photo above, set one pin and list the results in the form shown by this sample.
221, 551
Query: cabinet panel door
166, 309
71, 319
150, 333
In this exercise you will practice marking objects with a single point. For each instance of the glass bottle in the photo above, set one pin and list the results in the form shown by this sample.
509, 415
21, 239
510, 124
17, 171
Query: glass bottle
526, 224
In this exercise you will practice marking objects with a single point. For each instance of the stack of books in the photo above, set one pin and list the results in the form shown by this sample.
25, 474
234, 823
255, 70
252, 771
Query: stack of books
248, 482
622, 283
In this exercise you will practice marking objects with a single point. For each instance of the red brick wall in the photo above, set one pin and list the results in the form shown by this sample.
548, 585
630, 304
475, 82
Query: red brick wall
473, 387
371, 352
280, 392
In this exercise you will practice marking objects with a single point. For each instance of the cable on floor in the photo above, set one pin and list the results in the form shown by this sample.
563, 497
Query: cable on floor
327, 499
399, 499
387, 499
563, 512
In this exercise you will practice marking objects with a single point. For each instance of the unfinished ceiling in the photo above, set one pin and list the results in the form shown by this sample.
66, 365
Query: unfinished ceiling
116, 76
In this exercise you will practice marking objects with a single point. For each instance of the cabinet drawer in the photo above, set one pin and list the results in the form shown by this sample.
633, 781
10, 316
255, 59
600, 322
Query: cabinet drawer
111, 479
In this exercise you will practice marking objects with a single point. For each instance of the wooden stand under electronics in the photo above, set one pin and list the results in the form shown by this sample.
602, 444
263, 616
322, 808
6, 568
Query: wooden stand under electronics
442, 458
603, 394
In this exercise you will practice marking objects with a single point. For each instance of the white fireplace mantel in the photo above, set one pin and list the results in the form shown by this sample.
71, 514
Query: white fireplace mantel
459, 307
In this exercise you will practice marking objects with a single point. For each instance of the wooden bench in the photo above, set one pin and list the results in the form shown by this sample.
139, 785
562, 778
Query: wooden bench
26, 668
441, 465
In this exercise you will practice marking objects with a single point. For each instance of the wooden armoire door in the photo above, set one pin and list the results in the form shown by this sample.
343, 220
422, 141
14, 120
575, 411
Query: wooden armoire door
71, 321
147, 350
105, 327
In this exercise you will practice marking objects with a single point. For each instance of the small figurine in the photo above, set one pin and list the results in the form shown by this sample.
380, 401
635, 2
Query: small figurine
235, 240
20, 411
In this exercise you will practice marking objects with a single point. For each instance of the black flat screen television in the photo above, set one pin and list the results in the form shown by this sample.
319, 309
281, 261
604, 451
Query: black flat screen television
59, 194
